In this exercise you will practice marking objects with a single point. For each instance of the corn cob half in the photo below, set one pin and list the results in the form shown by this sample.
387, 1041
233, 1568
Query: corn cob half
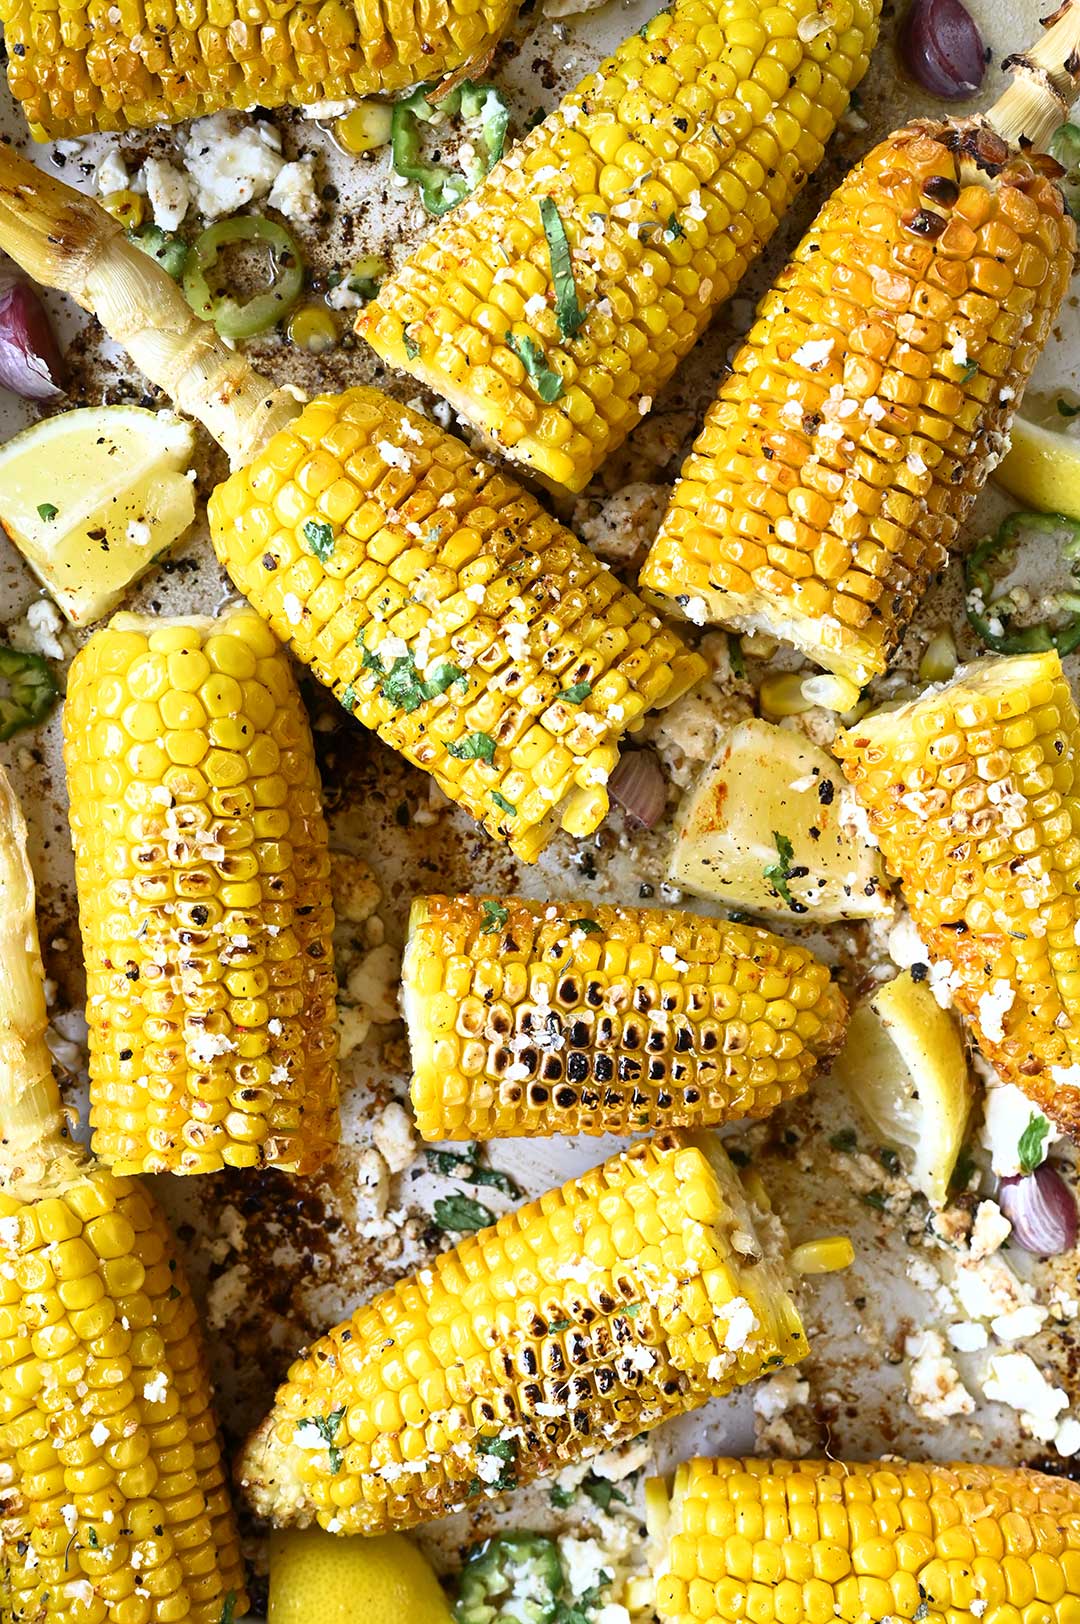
114, 1504
204, 896
534, 1018
448, 612
80, 68
664, 173
876, 388
626, 1297
972, 792
807, 1542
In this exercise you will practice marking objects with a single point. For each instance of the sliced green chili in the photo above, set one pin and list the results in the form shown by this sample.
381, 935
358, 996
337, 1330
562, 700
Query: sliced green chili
27, 690
255, 315
994, 605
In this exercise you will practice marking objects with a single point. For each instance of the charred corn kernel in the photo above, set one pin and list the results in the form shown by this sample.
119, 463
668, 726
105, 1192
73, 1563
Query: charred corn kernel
83, 68
127, 207
811, 1541
204, 893
365, 127
973, 793
826, 1256
832, 693
112, 1467
782, 695
535, 1018
938, 661
624, 1298
447, 611
669, 169
313, 328
870, 400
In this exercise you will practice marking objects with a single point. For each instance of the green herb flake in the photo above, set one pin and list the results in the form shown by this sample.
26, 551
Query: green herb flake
632, 1310
495, 1180
875, 1199
589, 926
320, 538
495, 917
889, 1160
845, 1140
403, 686
557, 1327
548, 384
576, 694
92, 1538
228, 1611
560, 1497
735, 656
473, 747
1031, 1149
503, 804
47, 511
412, 348
778, 874
602, 1493
965, 1167
568, 311
461, 1213
504, 1450
674, 229
174, 1293
349, 697
1065, 409
969, 372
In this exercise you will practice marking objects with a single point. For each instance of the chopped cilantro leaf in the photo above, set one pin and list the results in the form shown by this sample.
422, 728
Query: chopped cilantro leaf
503, 804
557, 1327
735, 656
560, 1497
574, 695
505, 1450
875, 1199
402, 684
548, 384
568, 311
674, 229
349, 698
46, 511
461, 1213
495, 917
589, 926
412, 348
844, 1140
228, 1611
92, 1538
779, 873
320, 538
473, 747
1031, 1149
601, 1492
494, 1180
969, 372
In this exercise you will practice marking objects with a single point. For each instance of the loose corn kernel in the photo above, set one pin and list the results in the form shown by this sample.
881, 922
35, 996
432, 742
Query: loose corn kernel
204, 892
536, 1018
824, 1256
365, 127
783, 694
574, 1323
832, 693
448, 612
670, 168
972, 793
127, 207
939, 657
313, 328
870, 400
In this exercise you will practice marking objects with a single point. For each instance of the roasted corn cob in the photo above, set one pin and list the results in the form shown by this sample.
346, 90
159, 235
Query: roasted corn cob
437, 599
554, 304
626, 1297
204, 896
875, 390
83, 67
807, 1542
534, 1018
114, 1506
972, 792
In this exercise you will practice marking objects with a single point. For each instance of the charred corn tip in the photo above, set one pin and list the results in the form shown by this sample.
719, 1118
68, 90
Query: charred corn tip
624, 1298
972, 792
540, 1018
448, 612
826, 1256
204, 892
669, 170
870, 400
116, 1504
812, 1541
78, 70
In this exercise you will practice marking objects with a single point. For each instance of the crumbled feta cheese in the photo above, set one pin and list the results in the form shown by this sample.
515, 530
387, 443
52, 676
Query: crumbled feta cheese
373, 983
814, 353
994, 1004
741, 1323
393, 455
294, 609
1006, 1115
111, 174
154, 1391
139, 533
968, 1337
1016, 1380
935, 1390
230, 164
353, 1027
373, 1180
394, 1137
327, 111
226, 1294
584, 1564
168, 193
904, 944
990, 1230
779, 1392
293, 193
356, 889
99, 1434
39, 631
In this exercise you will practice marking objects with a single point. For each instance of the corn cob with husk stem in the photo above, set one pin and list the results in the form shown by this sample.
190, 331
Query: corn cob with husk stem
441, 604
205, 903
80, 69
972, 793
551, 307
874, 393
807, 1542
629, 1296
540, 1018
114, 1503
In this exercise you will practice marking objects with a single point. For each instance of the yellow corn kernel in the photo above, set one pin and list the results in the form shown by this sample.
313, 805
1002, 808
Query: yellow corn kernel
670, 168
973, 793
313, 328
864, 411
604, 1019
782, 694
127, 207
204, 892
365, 128
939, 657
824, 1256
447, 611
820, 1540
600, 1310
83, 69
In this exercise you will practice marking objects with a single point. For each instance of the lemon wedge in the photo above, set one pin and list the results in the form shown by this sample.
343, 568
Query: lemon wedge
317, 1578
904, 1069
91, 497
1042, 467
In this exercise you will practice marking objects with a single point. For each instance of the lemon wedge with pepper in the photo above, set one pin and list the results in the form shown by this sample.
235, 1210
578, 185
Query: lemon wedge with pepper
318, 1578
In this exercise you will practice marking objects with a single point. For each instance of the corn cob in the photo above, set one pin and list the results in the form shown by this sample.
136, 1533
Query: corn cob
437, 599
534, 1018
669, 169
448, 612
807, 1542
114, 1506
875, 390
626, 1297
81, 67
972, 792
204, 893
